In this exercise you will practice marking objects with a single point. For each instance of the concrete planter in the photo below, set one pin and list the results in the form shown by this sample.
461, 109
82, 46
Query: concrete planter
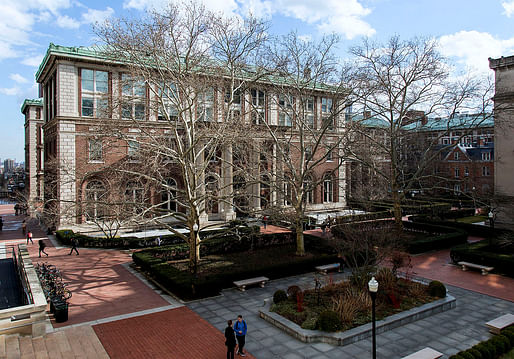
355, 334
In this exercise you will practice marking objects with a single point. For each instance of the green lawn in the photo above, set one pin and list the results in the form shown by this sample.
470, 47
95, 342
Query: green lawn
472, 219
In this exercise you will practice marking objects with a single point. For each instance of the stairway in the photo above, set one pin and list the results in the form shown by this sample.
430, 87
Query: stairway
74, 342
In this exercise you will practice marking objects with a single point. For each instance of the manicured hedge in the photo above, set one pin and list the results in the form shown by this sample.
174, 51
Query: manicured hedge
492, 348
443, 237
65, 236
482, 253
364, 217
183, 284
408, 206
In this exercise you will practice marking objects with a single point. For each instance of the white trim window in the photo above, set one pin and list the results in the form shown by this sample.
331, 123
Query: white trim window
94, 87
285, 104
485, 171
95, 192
205, 105
328, 188
95, 150
309, 112
258, 106
168, 107
486, 156
134, 98
133, 148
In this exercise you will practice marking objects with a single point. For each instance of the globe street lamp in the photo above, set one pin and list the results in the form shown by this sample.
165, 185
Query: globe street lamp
373, 288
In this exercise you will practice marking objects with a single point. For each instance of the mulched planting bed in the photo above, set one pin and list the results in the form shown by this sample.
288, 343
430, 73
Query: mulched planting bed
351, 304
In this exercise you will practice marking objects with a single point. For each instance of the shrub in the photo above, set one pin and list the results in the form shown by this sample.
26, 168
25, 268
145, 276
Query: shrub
492, 348
466, 355
328, 321
509, 333
310, 323
437, 289
484, 350
482, 253
456, 356
475, 353
279, 296
293, 291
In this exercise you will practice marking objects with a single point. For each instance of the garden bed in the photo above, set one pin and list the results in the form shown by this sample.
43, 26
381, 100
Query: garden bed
360, 327
502, 259
219, 271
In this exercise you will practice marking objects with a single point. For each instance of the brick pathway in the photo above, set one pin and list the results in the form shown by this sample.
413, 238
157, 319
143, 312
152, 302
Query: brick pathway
177, 333
438, 266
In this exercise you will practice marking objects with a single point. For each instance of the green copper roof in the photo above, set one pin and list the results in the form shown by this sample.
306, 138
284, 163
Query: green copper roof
96, 52
31, 102
459, 121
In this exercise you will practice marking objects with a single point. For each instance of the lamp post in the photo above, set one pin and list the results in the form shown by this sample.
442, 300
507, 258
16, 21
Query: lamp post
373, 288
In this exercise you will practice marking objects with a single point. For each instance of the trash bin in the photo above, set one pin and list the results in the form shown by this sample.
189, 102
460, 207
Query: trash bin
60, 312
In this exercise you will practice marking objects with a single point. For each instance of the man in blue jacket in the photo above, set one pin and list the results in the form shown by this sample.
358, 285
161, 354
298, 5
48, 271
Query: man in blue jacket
240, 328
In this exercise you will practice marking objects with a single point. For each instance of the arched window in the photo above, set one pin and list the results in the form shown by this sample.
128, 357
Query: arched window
212, 192
309, 190
265, 194
95, 195
134, 196
328, 188
169, 195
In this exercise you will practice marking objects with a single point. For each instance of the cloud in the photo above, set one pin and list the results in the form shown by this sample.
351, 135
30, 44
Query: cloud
473, 48
344, 17
508, 6
67, 22
12, 91
18, 78
33, 60
93, 16
305, 38
340, 16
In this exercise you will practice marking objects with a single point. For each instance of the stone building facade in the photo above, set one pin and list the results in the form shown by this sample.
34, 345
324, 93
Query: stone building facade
71, 80
34, 154
504, 139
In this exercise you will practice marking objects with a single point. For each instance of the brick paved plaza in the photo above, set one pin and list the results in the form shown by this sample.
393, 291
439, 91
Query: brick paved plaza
115, 313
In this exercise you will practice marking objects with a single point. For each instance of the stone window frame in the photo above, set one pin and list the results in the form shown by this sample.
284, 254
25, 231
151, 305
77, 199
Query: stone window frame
137, 98
95, 95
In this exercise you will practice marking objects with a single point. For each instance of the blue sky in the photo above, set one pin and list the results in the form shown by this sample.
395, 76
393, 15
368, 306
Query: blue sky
469, 31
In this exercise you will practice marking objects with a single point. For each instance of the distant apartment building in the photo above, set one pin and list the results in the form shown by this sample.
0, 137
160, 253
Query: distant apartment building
8, 165
75, 84
504, 139
33, 111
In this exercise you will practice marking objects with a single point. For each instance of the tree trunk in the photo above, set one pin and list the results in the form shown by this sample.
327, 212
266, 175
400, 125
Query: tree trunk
300, 245
397, 210
194, 251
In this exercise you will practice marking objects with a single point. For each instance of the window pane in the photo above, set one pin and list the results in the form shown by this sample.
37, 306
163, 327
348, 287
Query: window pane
139, 112
87, 80
140, 89
87, 107
95, 150
126, 85
102, 80
126, 111
102, 105
133, 148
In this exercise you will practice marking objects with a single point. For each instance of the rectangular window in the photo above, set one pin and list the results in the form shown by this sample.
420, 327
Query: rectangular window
132, 148
38, 113
486, 156
485, 171
466, 171
456, 156
284, 119
285, 101
95, 150
134, 98
257, 98
329, 157
457, 172
94, 87
328, 122
236, 96
309, 104
326, 104
456, 187
205, 103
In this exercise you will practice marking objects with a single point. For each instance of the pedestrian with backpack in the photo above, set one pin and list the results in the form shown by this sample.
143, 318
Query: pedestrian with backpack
241, 329
42, 246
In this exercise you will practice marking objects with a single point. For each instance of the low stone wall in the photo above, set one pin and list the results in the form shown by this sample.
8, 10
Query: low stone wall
358, 333
31, 318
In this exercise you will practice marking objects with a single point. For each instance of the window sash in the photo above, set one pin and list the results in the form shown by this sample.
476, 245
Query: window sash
95, 150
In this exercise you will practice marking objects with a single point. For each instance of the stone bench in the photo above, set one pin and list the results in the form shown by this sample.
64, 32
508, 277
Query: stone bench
242, 284
325, 268
425, 353
485, 269
496, 325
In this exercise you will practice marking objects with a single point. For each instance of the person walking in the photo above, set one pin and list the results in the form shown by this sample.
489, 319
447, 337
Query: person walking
240, 328
74, 244
29, 237
230, 340
1, 223
42, 247
265, 221
24, 227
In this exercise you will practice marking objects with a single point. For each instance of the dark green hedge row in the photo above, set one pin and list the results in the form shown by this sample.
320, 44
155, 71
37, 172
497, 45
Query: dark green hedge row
482, 253
65, 236
183, 284
442, 237
408, 206
364, 217
490, 349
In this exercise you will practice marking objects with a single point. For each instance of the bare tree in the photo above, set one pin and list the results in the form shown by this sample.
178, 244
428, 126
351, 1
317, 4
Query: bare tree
398, 85
308, 134
178, 109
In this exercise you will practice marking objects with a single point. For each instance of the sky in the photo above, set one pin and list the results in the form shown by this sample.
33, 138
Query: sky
469, 32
